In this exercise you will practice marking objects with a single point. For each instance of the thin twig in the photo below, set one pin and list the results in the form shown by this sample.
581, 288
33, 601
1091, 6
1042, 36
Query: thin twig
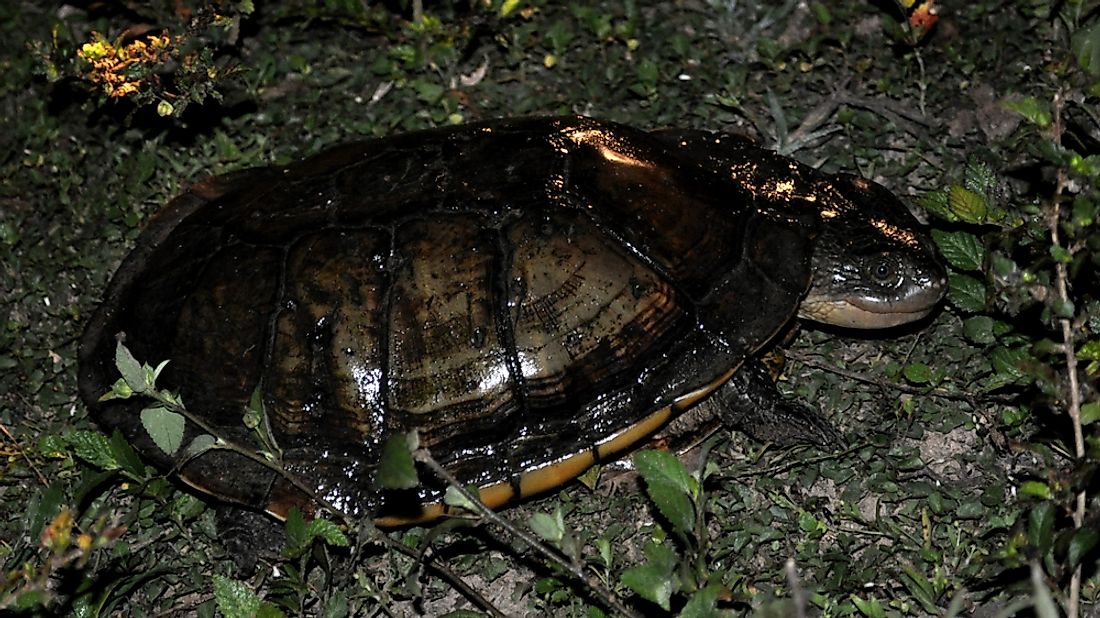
252, 455
970, 398
374, 533
452, 578
1054, 214
798, 595
23, 453
186, 605
576, 570
790, 463
351, 523
922, 84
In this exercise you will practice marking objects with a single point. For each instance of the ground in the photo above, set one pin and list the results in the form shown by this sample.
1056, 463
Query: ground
959, 472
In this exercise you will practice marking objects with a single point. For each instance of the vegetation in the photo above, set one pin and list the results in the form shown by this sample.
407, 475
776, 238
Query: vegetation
969, 486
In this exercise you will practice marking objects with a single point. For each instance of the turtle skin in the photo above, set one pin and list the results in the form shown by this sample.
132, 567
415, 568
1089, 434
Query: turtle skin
530, 296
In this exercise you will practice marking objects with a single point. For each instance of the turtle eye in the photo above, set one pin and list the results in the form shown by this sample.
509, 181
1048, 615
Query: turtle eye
882, 269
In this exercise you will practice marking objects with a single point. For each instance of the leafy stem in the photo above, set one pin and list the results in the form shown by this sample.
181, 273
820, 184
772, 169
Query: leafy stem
576, 569
172, 403
141, 379
1069, 338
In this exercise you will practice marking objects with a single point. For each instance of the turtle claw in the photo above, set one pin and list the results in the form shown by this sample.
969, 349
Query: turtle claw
749, 402
248, 537
790, 422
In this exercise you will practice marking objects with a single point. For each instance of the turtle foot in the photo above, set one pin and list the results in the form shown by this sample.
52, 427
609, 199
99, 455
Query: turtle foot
750, 403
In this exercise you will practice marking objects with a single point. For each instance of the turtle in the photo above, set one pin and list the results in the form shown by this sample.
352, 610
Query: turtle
530, 296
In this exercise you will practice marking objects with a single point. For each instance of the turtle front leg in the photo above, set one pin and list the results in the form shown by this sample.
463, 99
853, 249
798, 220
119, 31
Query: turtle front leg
248, 537
749, 402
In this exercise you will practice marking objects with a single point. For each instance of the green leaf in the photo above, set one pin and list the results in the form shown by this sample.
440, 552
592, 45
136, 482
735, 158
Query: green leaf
979, 177
979, 329
1036, 111
396, 469
921, 588
165, 427
159, 369
187, 507
703, 604
31, 599
1090, 350
1002, 266
130, 369
1090, 412
1062, 308
254, 413
126, 457
606, 555
1085, 44
45, 504
1060, 254
454, 497
1008, 362
328, 532
267, 610
918, 373
297, 534
966, 292
967, 205
201, 444
936, 203
549, 527
970, 509
1085, 211
962, 250
234, 598
648, 73
94, 448
91, 482
1082, 542
870, 608
653, 581
427, 91
1035, 488
336, 606
559, 35
1040, 526
670, 487
810, 525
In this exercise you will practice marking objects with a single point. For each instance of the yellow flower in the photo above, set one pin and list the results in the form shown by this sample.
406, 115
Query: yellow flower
96, 50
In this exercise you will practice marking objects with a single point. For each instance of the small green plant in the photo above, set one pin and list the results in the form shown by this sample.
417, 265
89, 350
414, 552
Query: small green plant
62, 544
677, 564
165, 421
676, 572
1023, 281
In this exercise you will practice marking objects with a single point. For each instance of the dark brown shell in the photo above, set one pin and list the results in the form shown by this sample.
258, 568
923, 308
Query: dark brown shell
529, 295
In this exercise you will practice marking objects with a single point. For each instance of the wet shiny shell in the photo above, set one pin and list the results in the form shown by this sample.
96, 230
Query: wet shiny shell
531, 296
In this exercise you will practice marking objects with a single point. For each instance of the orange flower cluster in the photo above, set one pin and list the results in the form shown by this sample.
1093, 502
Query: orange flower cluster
119, 68
923, 16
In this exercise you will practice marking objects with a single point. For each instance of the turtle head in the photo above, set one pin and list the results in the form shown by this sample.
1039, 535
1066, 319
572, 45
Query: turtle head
873, 266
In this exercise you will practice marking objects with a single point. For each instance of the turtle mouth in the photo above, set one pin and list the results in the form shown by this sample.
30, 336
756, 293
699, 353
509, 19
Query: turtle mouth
871, 312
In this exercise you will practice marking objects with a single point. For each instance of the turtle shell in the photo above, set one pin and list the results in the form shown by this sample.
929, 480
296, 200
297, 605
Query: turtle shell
531, 296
